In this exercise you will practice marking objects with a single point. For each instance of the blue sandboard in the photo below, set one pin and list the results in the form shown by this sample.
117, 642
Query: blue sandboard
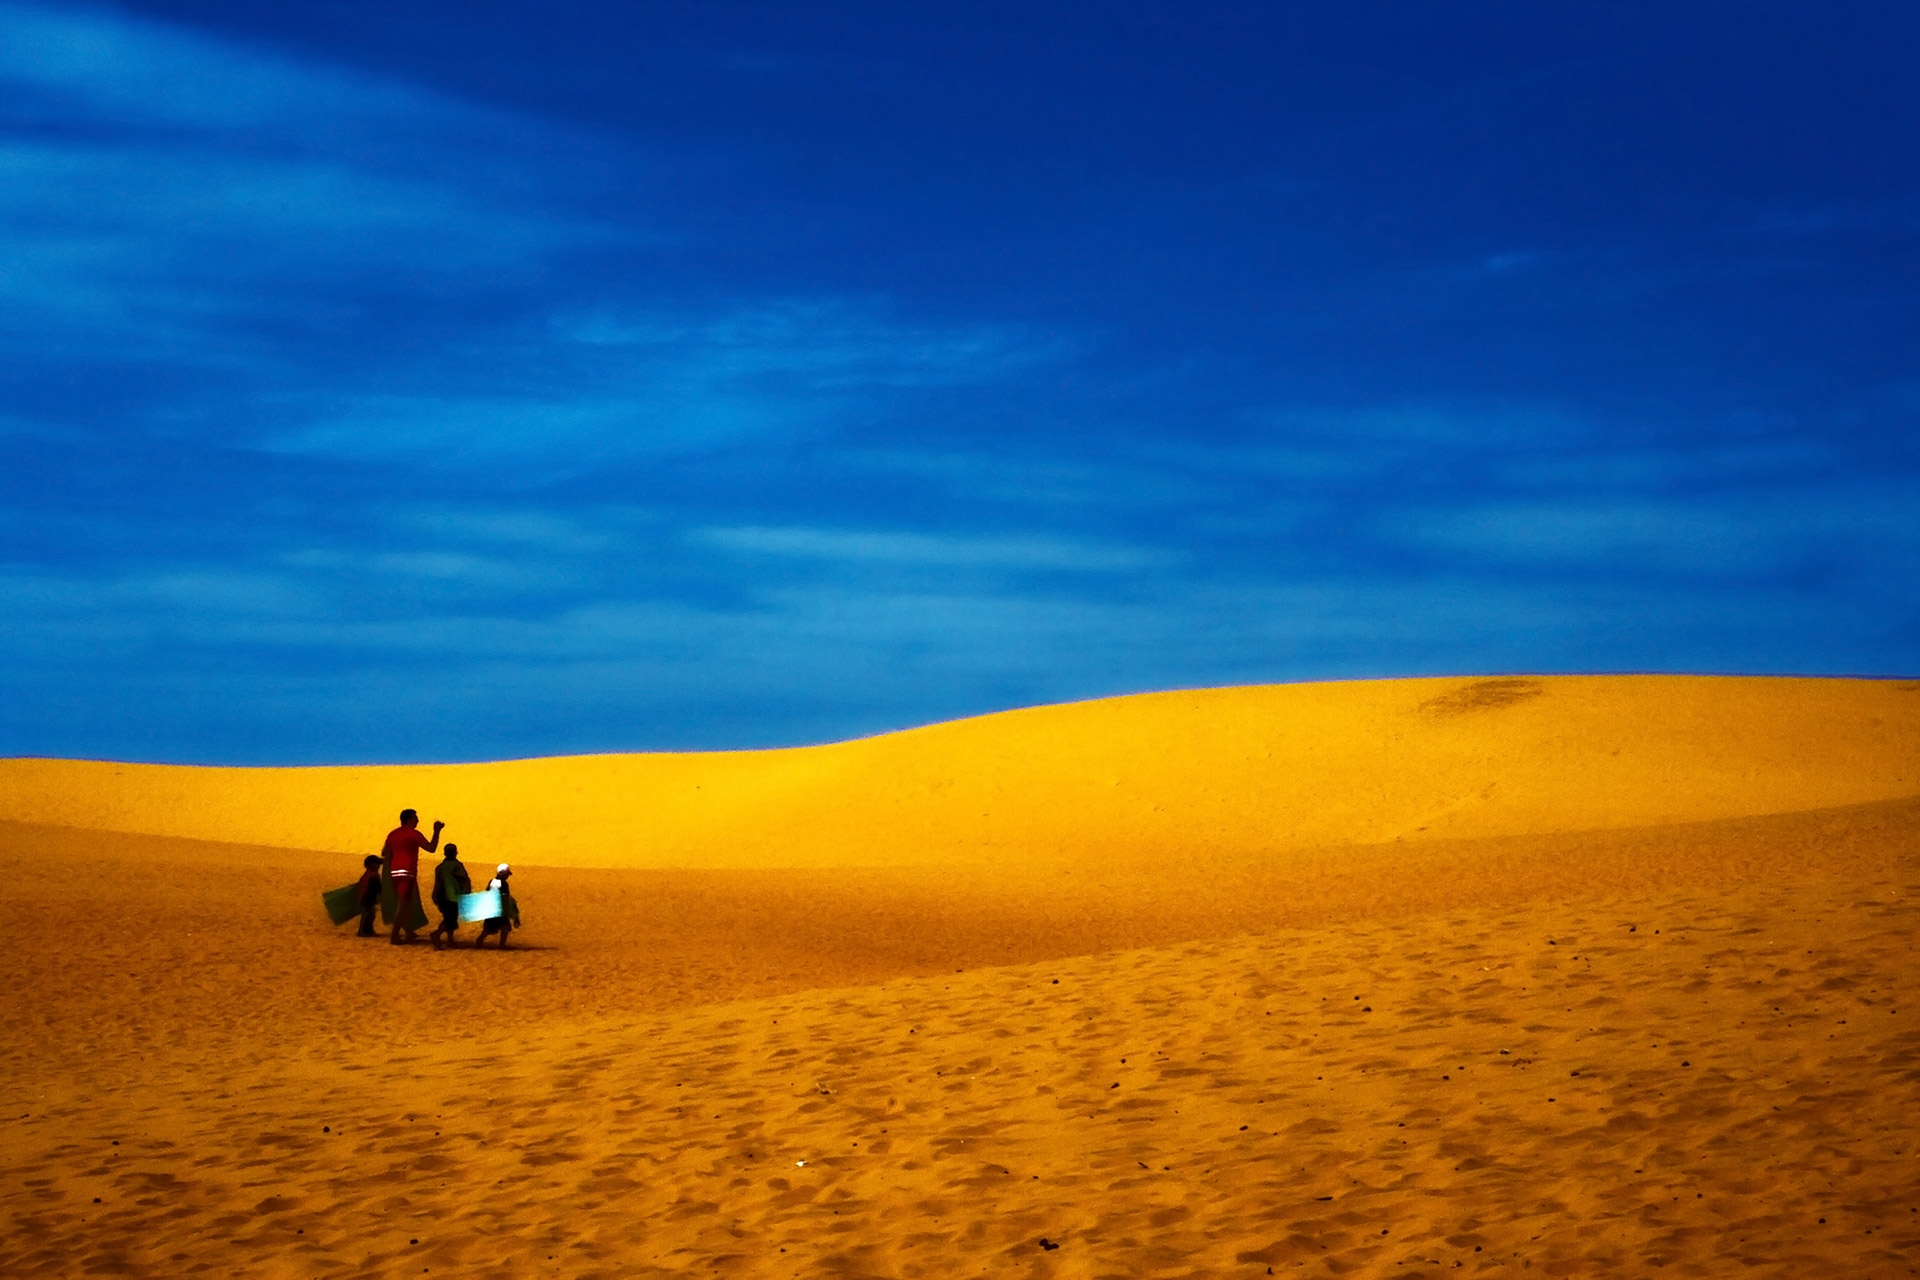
485, 905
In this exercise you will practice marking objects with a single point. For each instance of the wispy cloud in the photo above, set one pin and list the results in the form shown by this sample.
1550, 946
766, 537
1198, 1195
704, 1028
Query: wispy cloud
937, 551
1645, 535
182, 194
823, 345
591, 391
329, 264
113, 69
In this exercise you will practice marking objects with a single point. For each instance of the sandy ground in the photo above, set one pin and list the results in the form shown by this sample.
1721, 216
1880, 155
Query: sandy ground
1680, 1049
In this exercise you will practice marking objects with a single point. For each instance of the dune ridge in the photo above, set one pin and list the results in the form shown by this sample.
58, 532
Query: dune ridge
1212, 772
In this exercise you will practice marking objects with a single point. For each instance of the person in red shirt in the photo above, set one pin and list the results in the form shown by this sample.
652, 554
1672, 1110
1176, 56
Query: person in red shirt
402, 858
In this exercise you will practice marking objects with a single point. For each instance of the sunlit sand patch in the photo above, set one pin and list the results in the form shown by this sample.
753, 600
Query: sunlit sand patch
1241, 772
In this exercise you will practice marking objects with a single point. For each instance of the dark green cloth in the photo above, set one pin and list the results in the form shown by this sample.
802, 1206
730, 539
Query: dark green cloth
342, 904
510, 912
390, 904
450, 881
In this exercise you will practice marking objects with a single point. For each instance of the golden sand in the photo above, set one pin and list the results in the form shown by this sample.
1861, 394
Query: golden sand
1204, 772
1662, 1029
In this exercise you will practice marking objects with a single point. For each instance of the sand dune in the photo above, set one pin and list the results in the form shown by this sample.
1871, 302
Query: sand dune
1693, 1078
1591, 1045
1207, 772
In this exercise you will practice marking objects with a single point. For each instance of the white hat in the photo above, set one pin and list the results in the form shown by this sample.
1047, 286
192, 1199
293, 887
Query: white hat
502, 869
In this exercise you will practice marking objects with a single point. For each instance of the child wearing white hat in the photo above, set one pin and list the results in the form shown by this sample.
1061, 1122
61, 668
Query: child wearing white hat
509, 916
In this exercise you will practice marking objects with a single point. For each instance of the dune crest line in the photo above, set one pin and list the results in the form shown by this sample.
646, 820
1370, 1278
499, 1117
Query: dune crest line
1236, 771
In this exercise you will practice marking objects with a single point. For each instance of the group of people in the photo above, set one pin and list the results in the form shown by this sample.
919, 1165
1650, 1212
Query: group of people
398, 864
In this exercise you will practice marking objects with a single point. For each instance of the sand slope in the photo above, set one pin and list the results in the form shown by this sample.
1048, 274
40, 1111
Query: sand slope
1718, 1073
1209, 772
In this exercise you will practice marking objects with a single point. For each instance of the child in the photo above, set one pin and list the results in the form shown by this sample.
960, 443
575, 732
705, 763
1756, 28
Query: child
449, 883
509, 909
361, 898
369, 890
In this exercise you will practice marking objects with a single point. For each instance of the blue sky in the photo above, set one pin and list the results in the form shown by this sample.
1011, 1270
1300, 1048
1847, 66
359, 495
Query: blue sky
434, 381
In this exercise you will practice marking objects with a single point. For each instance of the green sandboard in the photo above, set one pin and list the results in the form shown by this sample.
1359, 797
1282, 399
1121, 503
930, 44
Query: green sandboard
342, 904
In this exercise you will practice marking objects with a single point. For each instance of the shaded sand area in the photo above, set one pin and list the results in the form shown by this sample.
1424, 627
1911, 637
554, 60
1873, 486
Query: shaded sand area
1678, 1048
